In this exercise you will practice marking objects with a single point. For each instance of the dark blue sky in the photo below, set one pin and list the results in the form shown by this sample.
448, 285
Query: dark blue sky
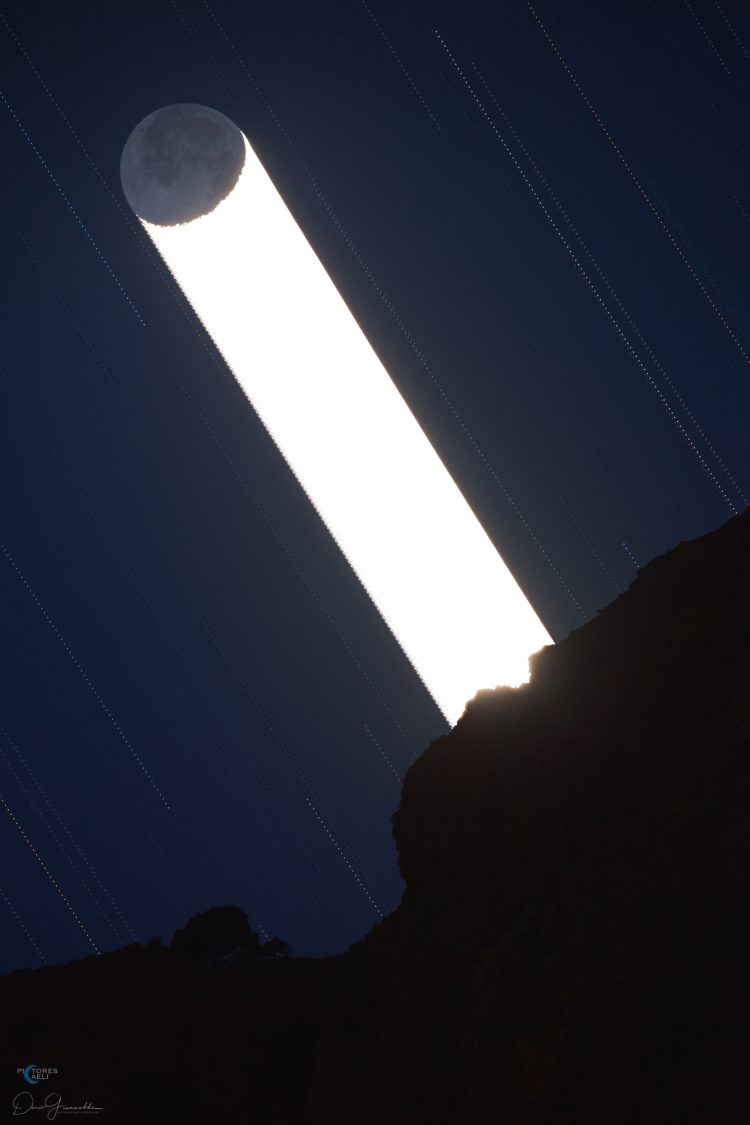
539, 215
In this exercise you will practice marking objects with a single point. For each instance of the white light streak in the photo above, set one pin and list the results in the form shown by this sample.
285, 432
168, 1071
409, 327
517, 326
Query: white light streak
352, 442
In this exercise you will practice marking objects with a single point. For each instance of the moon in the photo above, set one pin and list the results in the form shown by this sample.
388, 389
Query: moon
347, 434
180, 162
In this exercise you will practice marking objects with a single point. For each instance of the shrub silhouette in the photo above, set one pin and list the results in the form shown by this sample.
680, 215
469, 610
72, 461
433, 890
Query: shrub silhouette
274, 949
219, 936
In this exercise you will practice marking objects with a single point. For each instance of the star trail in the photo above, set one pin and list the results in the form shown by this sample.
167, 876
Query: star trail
537, 214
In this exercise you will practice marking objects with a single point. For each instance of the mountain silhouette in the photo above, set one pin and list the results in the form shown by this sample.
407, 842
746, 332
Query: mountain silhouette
572, 943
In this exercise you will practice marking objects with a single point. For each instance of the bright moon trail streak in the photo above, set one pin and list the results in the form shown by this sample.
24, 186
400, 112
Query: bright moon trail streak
273, 312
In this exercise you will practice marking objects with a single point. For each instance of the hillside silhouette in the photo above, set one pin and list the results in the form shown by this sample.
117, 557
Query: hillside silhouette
572, 943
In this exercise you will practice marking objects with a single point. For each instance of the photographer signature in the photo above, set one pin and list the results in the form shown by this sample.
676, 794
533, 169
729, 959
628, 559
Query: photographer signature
53, 1103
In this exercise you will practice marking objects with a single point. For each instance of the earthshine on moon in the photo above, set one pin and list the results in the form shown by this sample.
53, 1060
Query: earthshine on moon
287, 335
180, 162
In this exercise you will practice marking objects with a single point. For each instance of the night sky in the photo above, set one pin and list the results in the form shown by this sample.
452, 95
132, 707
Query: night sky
539, 214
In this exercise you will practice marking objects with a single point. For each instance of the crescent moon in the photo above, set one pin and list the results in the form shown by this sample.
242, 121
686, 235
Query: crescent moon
180, 162
26, 1069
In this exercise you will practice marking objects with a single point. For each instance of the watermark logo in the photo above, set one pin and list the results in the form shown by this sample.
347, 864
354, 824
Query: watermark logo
34, 1074
24, 1103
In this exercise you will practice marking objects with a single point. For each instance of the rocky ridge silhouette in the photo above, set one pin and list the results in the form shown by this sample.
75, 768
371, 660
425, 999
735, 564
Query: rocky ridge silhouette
572, 943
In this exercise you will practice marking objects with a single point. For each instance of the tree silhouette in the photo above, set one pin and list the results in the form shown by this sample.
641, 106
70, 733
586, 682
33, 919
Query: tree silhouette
219, 936
274, 949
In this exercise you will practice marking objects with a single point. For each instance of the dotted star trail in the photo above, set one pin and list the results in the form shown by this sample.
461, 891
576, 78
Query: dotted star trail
70, 207
616, 326
22, 925
691, 268
49, 875
539, 220
114, 927
82, 673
